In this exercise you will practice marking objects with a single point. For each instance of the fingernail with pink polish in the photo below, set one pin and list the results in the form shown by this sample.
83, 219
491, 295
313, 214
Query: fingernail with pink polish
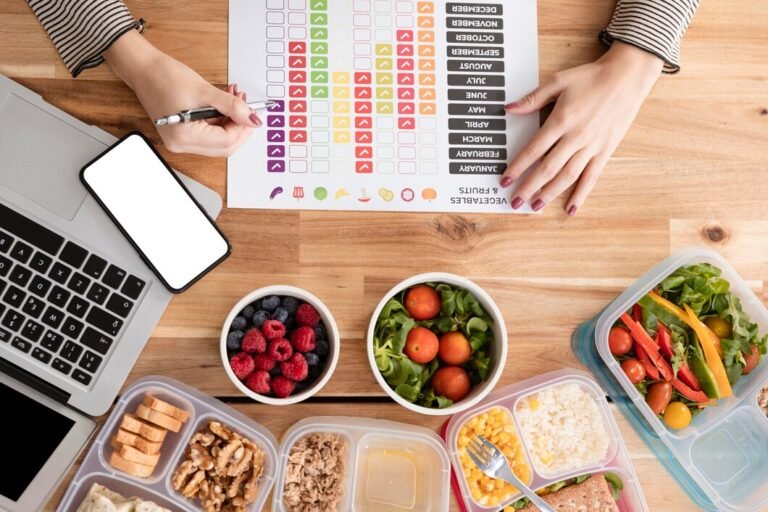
572, 210
514, 104
255, 119
517, 203
235, 88
537, 205
506, 181
245, 97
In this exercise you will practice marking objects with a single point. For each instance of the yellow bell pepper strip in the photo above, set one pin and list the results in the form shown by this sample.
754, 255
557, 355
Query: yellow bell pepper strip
643, 340
711, 355
682, 315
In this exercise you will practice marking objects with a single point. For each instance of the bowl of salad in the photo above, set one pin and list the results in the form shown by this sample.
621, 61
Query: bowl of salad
689, 344
437, 343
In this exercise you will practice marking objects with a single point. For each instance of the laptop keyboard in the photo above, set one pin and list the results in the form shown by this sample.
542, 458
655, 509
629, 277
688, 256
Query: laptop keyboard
59, 303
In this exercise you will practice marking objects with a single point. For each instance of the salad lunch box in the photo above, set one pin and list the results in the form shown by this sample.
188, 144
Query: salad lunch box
389, 466
720, 459
615, 460
158, 488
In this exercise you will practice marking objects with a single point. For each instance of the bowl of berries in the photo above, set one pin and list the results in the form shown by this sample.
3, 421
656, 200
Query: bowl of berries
279, 345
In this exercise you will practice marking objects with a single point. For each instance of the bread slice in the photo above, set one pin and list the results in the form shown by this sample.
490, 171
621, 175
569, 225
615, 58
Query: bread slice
130, 467
130, 453
130, 439
591, 495
146, 430
158, 418
165, 408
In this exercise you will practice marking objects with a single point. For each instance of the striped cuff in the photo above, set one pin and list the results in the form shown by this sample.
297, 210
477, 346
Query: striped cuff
656, 26
82, 30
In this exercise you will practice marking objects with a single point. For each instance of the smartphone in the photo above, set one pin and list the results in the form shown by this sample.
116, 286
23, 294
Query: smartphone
155, 211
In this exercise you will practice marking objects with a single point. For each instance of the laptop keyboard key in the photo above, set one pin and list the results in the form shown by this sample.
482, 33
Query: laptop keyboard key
32, 330
79, 283
23, 227
81, 377
13, 320
5, 266
59, 273
5, 241
5, 336
95, 266
119, 305
53, 317
21, 252
73, 254
61, 365
33, 307
133, 287
40, 262
71, 351
52, 341
98, 293
20, 275
113, 277
72, 327
40, 286
77, 307
95, 340
41, 355
107, 322
59, 296
14, 296
21, 344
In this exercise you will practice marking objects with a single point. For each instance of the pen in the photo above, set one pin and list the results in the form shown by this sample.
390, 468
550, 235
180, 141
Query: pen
196, 114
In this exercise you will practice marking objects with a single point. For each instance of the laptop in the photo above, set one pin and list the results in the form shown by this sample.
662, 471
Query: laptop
77, 304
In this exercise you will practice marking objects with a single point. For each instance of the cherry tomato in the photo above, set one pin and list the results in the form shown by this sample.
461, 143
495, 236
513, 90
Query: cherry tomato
452, 382
421, 345
634, 370
752, 359
677, 415
658, 397
423, 302
619, 341
720, 326
454, 348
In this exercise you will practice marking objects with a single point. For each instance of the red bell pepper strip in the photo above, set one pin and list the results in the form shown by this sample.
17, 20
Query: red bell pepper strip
637, 313
642, 339
687, 377
665, 342
642, 356
694, 396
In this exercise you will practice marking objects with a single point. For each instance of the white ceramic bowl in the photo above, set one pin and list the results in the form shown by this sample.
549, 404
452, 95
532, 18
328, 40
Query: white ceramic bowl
325, 317
497, 351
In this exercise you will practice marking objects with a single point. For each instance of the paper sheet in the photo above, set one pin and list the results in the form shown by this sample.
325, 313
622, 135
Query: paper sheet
382, 104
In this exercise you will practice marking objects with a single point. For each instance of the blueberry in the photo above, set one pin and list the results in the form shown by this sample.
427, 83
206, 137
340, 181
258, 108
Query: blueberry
280, 314
247, 311
320, 332
270, 303
239, 323
291, 304
275, 371
290, 324
312, 359
234, 339
259, 318
314, 372
321, 347
301, 386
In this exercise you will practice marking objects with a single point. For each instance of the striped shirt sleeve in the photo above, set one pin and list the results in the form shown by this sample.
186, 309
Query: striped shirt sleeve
656, 26
82, 30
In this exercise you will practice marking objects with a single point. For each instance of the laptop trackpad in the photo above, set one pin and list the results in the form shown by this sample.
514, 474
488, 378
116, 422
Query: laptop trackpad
41, 157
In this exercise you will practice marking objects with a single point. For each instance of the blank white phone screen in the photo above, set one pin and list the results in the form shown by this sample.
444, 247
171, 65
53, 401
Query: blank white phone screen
157, 214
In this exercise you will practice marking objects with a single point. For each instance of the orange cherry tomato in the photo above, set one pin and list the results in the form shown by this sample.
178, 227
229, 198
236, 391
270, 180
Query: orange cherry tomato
421, 345
454, 348
422, 302
634, 370
452, 382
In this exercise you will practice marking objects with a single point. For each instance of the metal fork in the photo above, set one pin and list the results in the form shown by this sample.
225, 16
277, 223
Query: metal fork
493, 463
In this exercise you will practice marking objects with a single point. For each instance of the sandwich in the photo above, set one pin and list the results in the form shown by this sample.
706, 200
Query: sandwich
587, 493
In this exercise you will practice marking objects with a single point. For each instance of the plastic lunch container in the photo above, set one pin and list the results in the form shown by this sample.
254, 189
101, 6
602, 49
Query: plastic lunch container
95, 468
720, 460
616, 459
391, 467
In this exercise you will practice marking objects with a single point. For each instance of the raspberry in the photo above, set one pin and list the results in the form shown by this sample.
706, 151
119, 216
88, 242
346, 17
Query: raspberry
264, 362
254, 342
282, 387
280, 349
307, 315
303, 339
242, 365
295, 368
258, 382
273, 329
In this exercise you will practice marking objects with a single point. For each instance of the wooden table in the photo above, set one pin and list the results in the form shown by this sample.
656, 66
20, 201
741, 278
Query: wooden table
692, 170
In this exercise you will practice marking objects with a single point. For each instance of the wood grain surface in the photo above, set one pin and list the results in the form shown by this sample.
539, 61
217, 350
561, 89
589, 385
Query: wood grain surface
691, 171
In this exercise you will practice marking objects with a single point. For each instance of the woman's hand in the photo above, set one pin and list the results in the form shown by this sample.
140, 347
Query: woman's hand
595, 105
165, 86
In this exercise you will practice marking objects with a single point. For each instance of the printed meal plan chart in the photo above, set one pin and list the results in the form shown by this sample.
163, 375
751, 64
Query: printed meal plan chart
381, 104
